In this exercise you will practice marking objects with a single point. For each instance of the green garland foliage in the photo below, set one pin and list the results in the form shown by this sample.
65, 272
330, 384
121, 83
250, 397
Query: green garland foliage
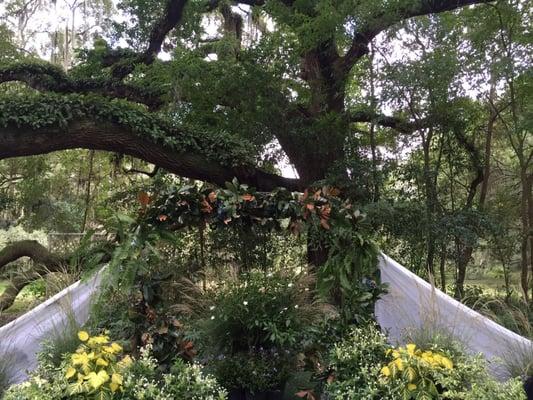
58, 110
349, 278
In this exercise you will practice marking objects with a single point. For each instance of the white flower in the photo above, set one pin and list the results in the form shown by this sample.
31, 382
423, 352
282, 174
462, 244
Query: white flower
290, 285
212, 317
211, 308
306, 289
296, 306
245, 303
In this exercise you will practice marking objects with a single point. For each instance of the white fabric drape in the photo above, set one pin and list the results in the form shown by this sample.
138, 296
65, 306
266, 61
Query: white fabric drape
410, 303
21, 339
413, 303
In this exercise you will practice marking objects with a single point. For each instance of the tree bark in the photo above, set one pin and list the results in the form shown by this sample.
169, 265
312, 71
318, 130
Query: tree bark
17, 142
45, 262
88, 191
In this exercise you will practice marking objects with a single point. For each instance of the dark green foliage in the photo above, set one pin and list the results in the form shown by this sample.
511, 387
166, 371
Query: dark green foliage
52, 110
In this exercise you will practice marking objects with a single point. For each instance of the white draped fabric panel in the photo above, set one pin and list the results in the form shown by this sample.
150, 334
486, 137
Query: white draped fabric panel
410, 302
21, 339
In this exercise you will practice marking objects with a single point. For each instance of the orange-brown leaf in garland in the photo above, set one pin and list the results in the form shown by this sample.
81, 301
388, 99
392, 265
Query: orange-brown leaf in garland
310, 206
324, 223
325, 211
212, 197
144, 198
162, 218
248, 197
334, 192
317, 194
307, 394
205, 207
296, 227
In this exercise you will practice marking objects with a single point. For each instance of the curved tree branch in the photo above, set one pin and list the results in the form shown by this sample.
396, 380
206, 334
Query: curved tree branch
392, 15
123, 62
45, 262
48, 77
29, 248
18, 141
400, 124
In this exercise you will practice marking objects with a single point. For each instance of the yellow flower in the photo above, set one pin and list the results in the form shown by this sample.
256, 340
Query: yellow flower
114, 387
83, 336
102, 362
395, 354
116, 378
70, 373
97, 379
116, 382
385, 371
98, 340
411, 349
125, 362
399, 364
411, 387
80, 359
116, 347
446, 363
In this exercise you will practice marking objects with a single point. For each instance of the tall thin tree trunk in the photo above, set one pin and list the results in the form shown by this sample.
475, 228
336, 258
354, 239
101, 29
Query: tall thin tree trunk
372, 132
528, 192
88, 191
488, 144
524, 214
442, 268
430, 203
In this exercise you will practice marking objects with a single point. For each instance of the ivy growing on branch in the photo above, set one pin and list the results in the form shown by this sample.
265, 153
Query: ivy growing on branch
37, 111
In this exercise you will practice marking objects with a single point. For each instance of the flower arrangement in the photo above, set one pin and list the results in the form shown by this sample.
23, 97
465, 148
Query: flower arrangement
96, 366
416, 369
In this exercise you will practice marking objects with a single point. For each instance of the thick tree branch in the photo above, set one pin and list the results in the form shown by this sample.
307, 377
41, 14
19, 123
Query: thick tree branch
17, 141
123, 61
29, 248
392, 15
44, 260
400, 124
48, 77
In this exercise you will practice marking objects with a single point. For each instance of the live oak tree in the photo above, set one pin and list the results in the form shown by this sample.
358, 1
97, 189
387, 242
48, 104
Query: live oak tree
211, 119
258, 74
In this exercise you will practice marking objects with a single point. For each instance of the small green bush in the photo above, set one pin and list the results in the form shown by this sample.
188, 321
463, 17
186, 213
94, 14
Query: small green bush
355, 365
135, 379
363, 366
270, 311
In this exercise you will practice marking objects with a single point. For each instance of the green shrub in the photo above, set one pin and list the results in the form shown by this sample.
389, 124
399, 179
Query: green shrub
364, 367
269, 311
355, 365
5, 359
106, 376
63, 340
256, 371
255, 327
184, 382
